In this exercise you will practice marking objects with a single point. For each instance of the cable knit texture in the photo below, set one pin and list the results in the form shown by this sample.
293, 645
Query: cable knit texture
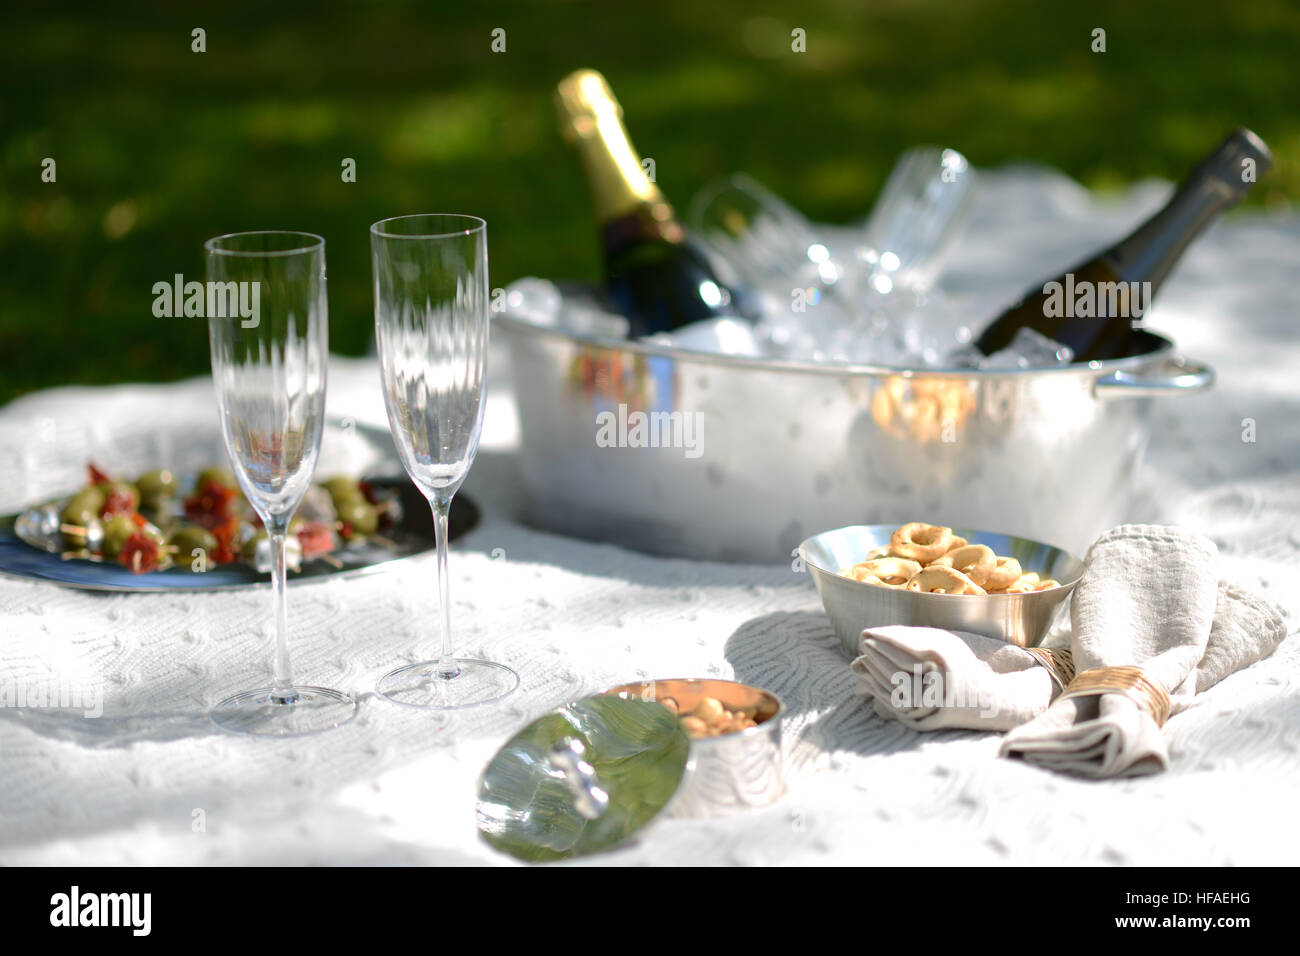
151, 781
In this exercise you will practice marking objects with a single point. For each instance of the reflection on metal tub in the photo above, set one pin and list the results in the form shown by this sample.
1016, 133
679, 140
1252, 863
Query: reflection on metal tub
738, 459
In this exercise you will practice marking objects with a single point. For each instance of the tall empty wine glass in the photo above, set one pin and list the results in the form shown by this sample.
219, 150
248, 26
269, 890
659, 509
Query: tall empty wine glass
431, 331
268, 328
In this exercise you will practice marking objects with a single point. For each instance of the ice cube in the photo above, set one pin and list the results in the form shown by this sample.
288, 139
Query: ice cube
1029, 349
533, 300
805, 324
726, 336
586, 316
905, 327
577, 310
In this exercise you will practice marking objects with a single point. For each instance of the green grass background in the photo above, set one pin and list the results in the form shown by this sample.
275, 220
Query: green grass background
158, 147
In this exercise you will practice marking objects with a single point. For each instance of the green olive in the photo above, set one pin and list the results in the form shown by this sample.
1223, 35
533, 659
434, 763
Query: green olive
82, 511
350, 503
341, 487
361, 515
117, 530
156, 485
190, 536
249, 549
156, 510
220, 475
83, 506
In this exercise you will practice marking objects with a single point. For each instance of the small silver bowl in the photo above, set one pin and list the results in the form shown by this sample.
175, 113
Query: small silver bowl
851, 605
736, 771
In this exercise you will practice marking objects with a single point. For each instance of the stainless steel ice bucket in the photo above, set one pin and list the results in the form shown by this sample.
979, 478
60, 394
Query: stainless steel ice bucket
734, 459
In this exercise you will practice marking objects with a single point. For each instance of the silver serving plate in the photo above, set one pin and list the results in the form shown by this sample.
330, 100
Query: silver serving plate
29, 549
1022, 619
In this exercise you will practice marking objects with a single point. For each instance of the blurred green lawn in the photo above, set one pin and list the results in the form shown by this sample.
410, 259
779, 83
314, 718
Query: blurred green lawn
158, 147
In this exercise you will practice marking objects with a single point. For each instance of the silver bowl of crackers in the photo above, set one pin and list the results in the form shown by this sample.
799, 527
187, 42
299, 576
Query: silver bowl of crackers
960, 579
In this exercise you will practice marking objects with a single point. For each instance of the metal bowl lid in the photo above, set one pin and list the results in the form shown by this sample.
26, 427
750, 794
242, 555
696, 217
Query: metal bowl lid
582, 779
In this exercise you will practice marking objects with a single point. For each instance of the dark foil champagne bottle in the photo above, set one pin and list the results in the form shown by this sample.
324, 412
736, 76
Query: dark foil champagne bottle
1092, 308
656, 276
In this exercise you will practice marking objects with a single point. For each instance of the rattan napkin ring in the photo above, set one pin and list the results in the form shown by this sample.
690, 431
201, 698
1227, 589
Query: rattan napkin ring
1127, 680
1059, 663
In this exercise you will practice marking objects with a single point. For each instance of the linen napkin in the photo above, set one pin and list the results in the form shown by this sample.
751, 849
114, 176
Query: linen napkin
1150, 597
934, 679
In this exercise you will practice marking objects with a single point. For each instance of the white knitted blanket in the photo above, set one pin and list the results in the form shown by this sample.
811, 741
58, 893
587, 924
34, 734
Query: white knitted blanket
151, 781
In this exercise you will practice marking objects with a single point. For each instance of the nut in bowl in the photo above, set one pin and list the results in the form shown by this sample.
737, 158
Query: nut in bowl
955, 578
711, 719
735, 732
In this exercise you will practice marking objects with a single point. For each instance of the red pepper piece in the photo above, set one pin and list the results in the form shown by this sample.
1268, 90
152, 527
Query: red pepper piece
140, 553
315, 538
210, 506
119, 501
225, 534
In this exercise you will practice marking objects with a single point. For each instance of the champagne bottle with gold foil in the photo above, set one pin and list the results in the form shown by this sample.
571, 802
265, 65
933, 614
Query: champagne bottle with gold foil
656, 275
1092, 308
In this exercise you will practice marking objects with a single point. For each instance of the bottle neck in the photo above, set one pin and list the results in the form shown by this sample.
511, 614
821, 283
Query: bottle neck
1152, 250
647, 222
1219, 180
618, 184
628, 206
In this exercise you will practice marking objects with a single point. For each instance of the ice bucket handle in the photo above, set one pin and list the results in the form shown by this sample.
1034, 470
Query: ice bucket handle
1180, 376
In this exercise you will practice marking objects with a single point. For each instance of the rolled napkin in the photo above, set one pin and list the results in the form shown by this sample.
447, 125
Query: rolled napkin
932, 679
1142, 618
1247, 628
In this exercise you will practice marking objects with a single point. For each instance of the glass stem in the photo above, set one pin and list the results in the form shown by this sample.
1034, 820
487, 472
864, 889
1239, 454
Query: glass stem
282, 688
447, 667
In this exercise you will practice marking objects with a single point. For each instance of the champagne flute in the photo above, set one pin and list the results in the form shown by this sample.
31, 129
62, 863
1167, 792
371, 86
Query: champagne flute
268, 329
431, 332
917, 215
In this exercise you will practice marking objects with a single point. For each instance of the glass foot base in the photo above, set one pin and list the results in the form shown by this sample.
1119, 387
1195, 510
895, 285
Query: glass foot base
424, 684
266, 712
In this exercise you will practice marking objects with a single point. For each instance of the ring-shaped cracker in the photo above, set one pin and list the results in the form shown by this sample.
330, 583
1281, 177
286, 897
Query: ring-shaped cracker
976, 561
1004, 575
921, 542
892, 571
938, 579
